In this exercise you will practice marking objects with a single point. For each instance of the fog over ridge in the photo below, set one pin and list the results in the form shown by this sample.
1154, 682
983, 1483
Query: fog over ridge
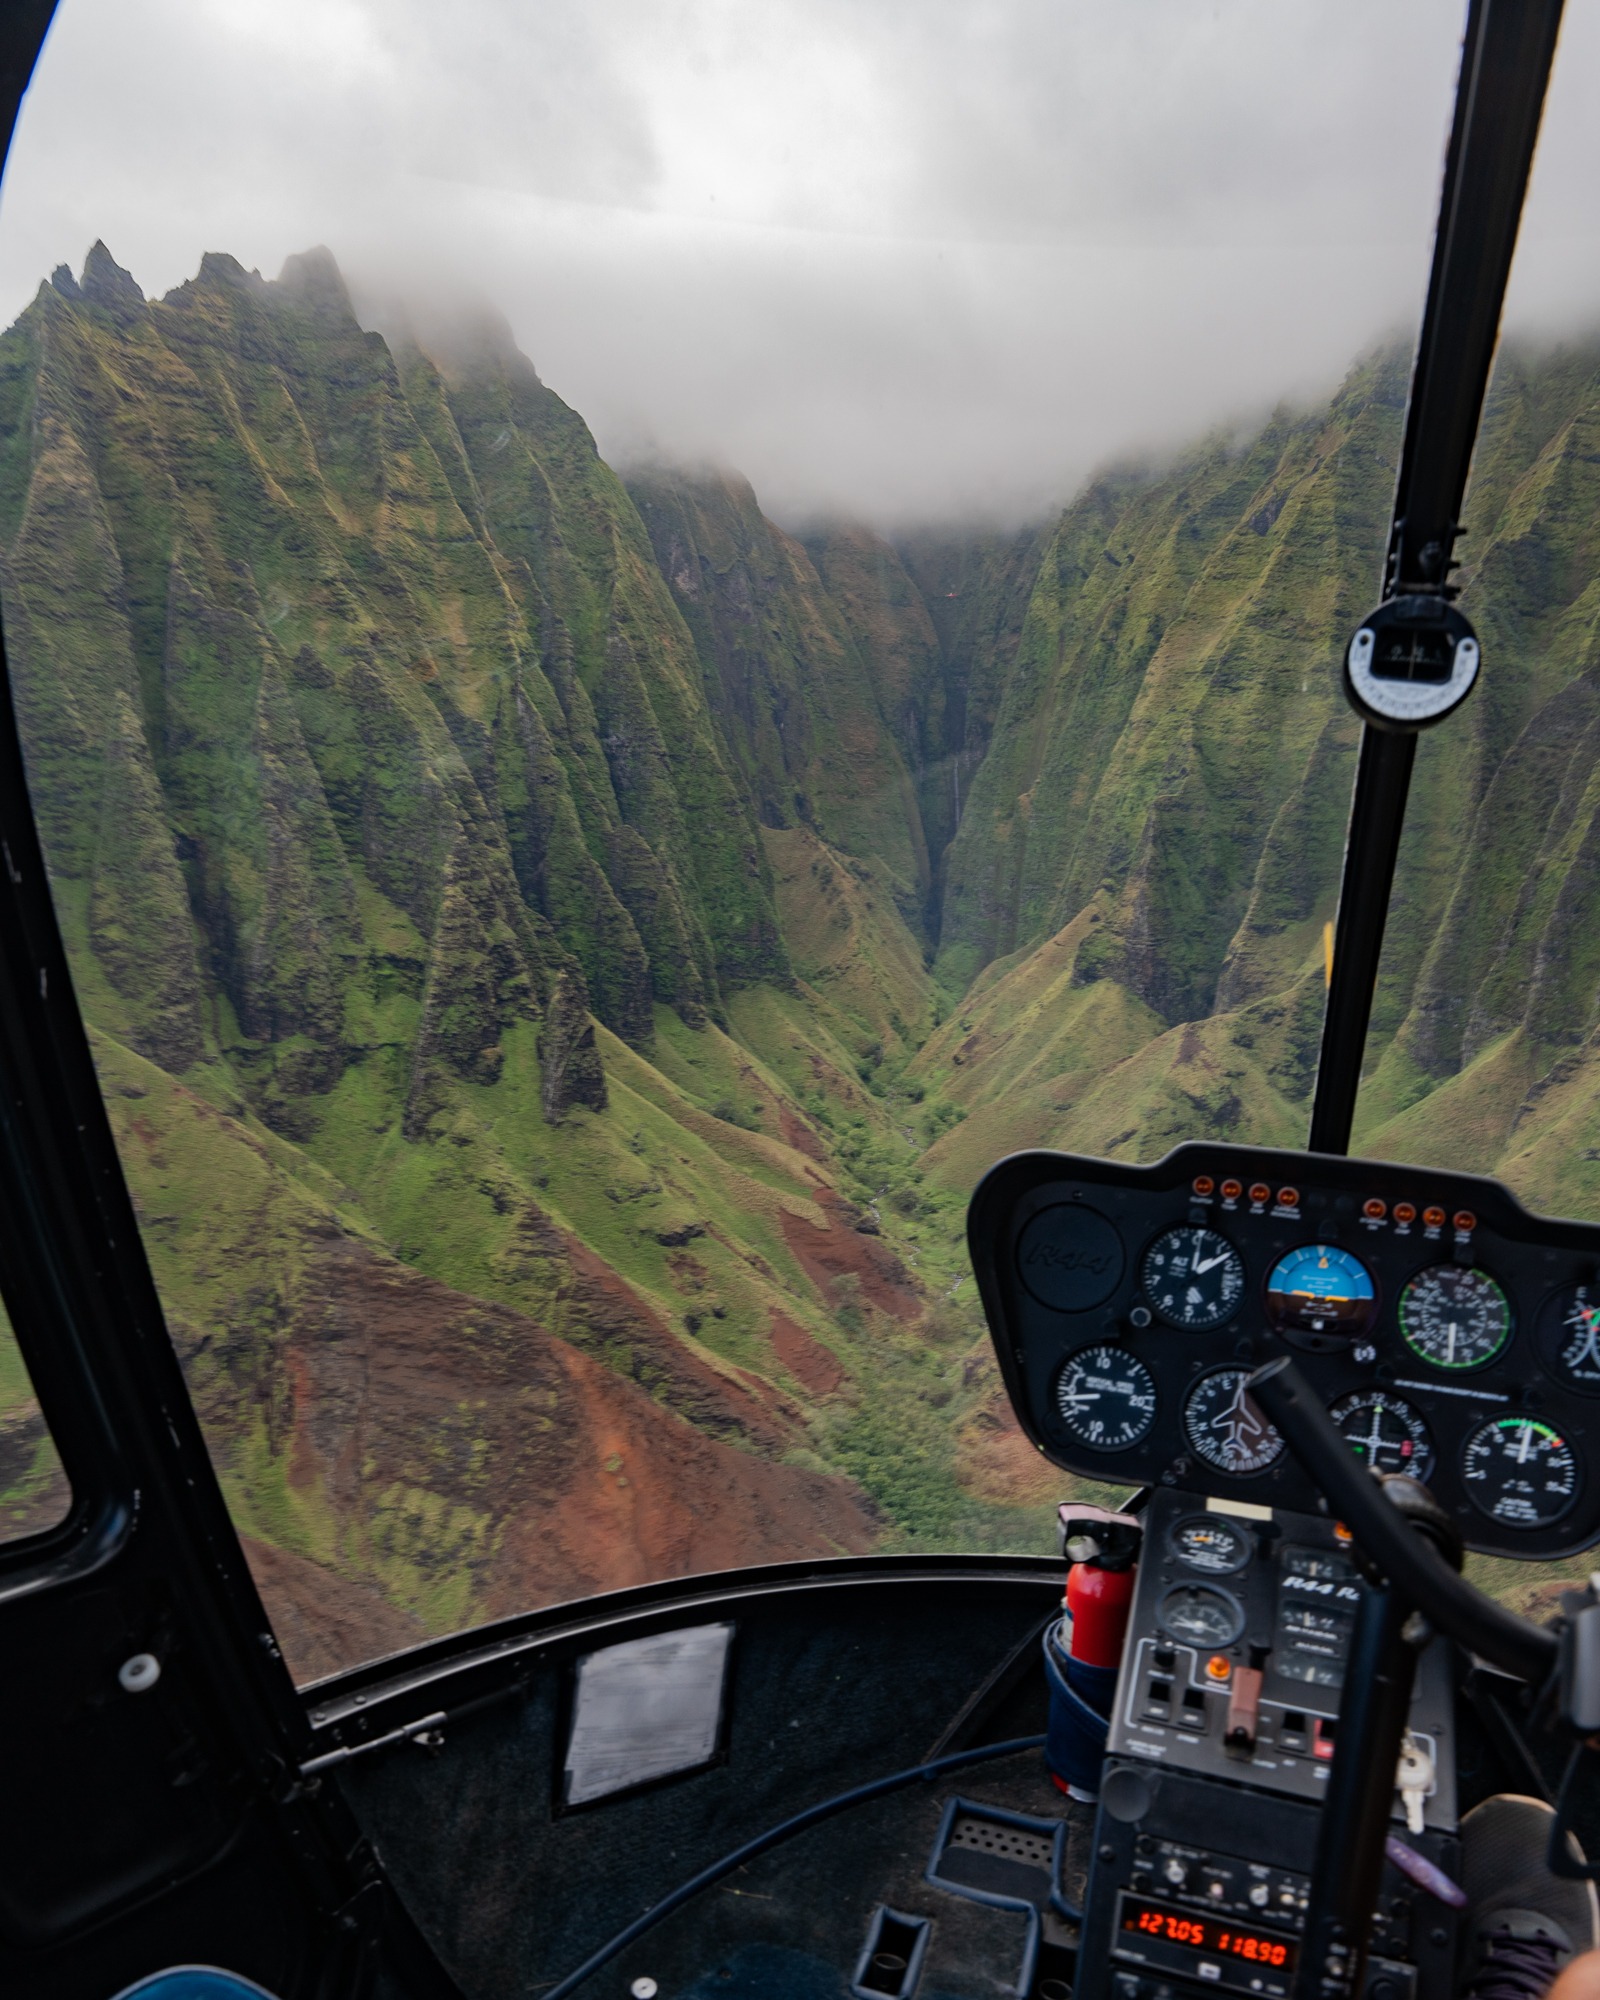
901, 261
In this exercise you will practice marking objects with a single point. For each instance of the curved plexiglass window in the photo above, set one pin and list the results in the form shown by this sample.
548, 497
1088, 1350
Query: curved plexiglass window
562, 926
34, 1493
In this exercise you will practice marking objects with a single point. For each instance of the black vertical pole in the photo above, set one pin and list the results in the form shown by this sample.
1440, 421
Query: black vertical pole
1506, 55
1374, 1703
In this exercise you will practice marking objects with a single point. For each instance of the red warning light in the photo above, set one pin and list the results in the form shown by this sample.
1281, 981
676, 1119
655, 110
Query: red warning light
1288, 1197
1375, 1210
1260, 1192
1466, 1222
1404, 1213
1433, 1217
1203, 1184
1231, 1190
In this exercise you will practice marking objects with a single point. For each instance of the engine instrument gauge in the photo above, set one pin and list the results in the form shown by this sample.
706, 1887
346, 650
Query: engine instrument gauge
1200, 1615
1106, 1397
1566, 1336
1210, 1543
1193, 1277
1385, 1432
1319, 1288
1453, 1316
1225, 1427
1520, 1472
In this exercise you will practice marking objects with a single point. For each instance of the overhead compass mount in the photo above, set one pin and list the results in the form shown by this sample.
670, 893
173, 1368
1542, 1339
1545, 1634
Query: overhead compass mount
1419, 658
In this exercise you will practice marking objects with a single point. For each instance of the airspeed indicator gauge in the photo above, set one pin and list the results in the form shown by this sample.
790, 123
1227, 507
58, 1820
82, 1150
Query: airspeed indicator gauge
1452, 1316
1107, 1398
1193, 1277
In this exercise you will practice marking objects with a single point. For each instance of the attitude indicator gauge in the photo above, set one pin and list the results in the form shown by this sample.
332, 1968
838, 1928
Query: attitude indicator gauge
1210, 1543
1224, 1426
1567, 1337
1385, 1432
1106, 1398
1193, 1277
1453, 1316
1319, 1288
1520, 1472
1200, 1615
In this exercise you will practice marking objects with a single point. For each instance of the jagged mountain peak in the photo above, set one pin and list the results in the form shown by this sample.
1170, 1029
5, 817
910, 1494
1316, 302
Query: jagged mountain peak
105, 283
314, 277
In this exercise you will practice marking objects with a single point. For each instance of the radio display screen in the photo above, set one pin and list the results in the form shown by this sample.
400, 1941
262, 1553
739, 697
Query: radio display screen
1218, 1936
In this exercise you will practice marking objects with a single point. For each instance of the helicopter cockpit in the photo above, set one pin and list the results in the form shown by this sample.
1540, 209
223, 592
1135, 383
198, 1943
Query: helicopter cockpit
449, 944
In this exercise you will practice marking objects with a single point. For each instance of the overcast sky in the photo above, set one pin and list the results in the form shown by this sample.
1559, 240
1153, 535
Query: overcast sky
904, 259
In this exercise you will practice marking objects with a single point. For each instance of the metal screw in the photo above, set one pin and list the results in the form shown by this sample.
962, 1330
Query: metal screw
643, 1988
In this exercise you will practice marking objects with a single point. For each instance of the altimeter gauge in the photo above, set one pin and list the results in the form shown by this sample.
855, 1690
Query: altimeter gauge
1106, 1397
1385, 1432
1319, 1288
1567, 1337
1520, 1472
1453, 1316
1193, 1277
1224, 1426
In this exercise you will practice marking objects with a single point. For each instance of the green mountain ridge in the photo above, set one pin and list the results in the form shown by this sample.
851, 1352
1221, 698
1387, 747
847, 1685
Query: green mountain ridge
560, 948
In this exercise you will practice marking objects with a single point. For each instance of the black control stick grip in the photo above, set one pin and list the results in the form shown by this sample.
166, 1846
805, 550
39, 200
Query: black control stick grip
1409, 1560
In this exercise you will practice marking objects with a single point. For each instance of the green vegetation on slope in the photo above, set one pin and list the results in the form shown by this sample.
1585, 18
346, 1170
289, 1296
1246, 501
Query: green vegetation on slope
560, 952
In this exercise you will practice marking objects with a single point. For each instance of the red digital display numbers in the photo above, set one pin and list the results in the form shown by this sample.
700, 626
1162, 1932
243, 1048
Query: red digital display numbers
1202, 1933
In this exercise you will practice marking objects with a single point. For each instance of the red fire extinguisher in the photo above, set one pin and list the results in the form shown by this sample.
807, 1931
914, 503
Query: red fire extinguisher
1084, 1651
1103, 1549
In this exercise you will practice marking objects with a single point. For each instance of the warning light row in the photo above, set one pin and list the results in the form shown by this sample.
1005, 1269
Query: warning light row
1260, 1193
1373, 1210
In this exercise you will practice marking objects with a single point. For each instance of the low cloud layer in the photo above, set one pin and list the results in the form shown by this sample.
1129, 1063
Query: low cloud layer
902, 259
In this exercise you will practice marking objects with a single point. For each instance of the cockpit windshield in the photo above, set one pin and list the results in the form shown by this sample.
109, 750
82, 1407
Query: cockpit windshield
645, 638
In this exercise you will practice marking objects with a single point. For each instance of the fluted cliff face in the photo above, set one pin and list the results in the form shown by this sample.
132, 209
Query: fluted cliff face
559, 951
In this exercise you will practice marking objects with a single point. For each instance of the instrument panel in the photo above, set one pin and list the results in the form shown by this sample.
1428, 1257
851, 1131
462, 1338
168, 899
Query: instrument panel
1454, 1337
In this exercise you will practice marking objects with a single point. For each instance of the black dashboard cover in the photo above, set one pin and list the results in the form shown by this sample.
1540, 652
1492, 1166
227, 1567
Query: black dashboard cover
1485, 1427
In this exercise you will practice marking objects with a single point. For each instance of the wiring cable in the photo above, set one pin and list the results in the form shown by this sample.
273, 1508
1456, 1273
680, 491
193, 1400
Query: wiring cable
784, 1830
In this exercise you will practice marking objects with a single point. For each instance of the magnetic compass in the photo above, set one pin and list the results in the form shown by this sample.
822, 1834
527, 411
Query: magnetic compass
1566, 1336
1385, 1432
1454, 1317
1106, 1398
1193, 1277
1520, 1472
1224, 1426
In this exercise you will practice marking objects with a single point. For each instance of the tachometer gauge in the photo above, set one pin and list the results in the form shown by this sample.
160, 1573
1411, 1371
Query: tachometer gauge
1224, 1426
1107, 1398
1210, 1543
1385, 1432
1193, 1277
1567, 1337
1454, 1317
1521, 1472
1319, 1288
1200, 1615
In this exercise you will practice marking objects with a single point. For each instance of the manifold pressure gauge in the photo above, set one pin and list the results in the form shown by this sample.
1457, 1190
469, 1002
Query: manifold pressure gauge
1410, 663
